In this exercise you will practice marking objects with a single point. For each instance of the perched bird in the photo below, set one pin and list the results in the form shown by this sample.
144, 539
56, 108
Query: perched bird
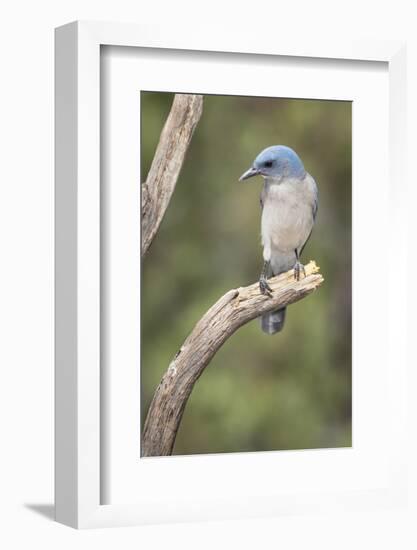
289, 201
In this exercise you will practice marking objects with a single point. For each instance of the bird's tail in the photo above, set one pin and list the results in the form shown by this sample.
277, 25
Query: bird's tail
273, 321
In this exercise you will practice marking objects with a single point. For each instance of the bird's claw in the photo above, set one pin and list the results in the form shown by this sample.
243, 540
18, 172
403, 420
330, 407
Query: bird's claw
264, 287
298, 268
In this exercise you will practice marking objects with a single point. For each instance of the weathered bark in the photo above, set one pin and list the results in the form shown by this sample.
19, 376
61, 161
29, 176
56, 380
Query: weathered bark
166, 165
231, 311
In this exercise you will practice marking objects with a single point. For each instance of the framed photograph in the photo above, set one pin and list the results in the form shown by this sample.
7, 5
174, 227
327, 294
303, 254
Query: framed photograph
225, 208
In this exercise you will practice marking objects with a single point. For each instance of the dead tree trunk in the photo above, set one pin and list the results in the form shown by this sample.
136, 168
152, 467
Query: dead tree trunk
233, 310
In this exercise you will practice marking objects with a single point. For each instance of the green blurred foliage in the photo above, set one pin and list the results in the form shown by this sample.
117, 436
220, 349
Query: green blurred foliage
260, 392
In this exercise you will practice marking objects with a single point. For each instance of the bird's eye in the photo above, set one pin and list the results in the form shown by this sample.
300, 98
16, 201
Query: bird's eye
268, 163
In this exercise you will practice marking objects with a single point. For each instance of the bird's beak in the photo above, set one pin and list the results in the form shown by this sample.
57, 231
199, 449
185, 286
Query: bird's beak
249, 174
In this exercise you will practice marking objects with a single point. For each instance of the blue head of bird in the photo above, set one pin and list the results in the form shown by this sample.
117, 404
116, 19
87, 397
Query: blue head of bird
277, 162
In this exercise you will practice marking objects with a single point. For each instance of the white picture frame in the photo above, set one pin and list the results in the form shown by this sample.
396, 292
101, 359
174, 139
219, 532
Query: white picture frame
79, 409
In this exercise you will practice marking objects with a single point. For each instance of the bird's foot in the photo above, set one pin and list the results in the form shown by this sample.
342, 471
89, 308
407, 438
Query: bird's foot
298, 268
264, 287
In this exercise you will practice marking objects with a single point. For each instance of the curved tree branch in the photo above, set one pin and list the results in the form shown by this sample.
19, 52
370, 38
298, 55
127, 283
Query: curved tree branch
231, 311
166, 165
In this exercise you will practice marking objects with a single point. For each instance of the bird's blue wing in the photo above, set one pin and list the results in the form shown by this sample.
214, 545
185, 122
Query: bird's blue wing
315, 209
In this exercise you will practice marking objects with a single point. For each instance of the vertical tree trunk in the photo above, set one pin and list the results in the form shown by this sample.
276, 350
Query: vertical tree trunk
167, 162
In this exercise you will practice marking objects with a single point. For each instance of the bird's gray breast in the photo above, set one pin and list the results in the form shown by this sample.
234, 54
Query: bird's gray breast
287, 218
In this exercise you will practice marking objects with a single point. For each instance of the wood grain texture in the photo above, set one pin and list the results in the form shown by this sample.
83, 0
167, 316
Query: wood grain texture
231, 311
173, 143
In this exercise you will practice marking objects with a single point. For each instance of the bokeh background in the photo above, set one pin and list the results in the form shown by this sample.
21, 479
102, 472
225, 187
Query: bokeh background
260, 392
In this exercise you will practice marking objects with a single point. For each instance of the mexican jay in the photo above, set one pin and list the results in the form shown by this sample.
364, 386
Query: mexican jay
289, 201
